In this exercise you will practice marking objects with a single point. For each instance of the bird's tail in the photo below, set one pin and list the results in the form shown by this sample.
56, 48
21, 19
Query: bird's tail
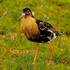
59, 33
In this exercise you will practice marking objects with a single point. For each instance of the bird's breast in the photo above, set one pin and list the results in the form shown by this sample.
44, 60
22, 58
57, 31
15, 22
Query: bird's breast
29, 27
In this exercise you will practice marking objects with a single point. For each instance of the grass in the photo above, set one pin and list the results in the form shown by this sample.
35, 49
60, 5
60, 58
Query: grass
16, 52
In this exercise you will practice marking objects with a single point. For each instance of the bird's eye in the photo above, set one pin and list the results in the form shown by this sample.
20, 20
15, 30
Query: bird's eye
28, 10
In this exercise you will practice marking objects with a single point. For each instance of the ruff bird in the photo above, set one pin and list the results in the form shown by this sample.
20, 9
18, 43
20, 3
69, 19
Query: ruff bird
37, 30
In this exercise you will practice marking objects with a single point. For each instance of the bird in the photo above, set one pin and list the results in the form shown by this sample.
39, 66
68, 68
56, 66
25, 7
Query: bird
37, 30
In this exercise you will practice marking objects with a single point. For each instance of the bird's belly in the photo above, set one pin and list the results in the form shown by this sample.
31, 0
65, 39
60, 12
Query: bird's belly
31, 30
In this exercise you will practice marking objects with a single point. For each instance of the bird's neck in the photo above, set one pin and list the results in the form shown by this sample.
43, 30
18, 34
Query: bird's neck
27, 16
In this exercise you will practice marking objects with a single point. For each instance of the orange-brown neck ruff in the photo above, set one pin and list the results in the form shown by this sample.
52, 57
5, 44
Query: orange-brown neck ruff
29, 27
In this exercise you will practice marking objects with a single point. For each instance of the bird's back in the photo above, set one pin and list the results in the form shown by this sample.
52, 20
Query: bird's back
29, 27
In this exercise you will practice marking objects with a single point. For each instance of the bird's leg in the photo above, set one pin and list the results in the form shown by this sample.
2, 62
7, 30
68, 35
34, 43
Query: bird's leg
51, 54
36, 53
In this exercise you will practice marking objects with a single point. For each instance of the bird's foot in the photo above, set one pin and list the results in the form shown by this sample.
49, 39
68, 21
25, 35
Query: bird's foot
50, 63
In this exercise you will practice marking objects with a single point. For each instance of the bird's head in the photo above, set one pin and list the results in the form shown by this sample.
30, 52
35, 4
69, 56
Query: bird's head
27, 12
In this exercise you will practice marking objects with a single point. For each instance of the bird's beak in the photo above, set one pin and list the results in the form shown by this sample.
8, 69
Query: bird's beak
21, 16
